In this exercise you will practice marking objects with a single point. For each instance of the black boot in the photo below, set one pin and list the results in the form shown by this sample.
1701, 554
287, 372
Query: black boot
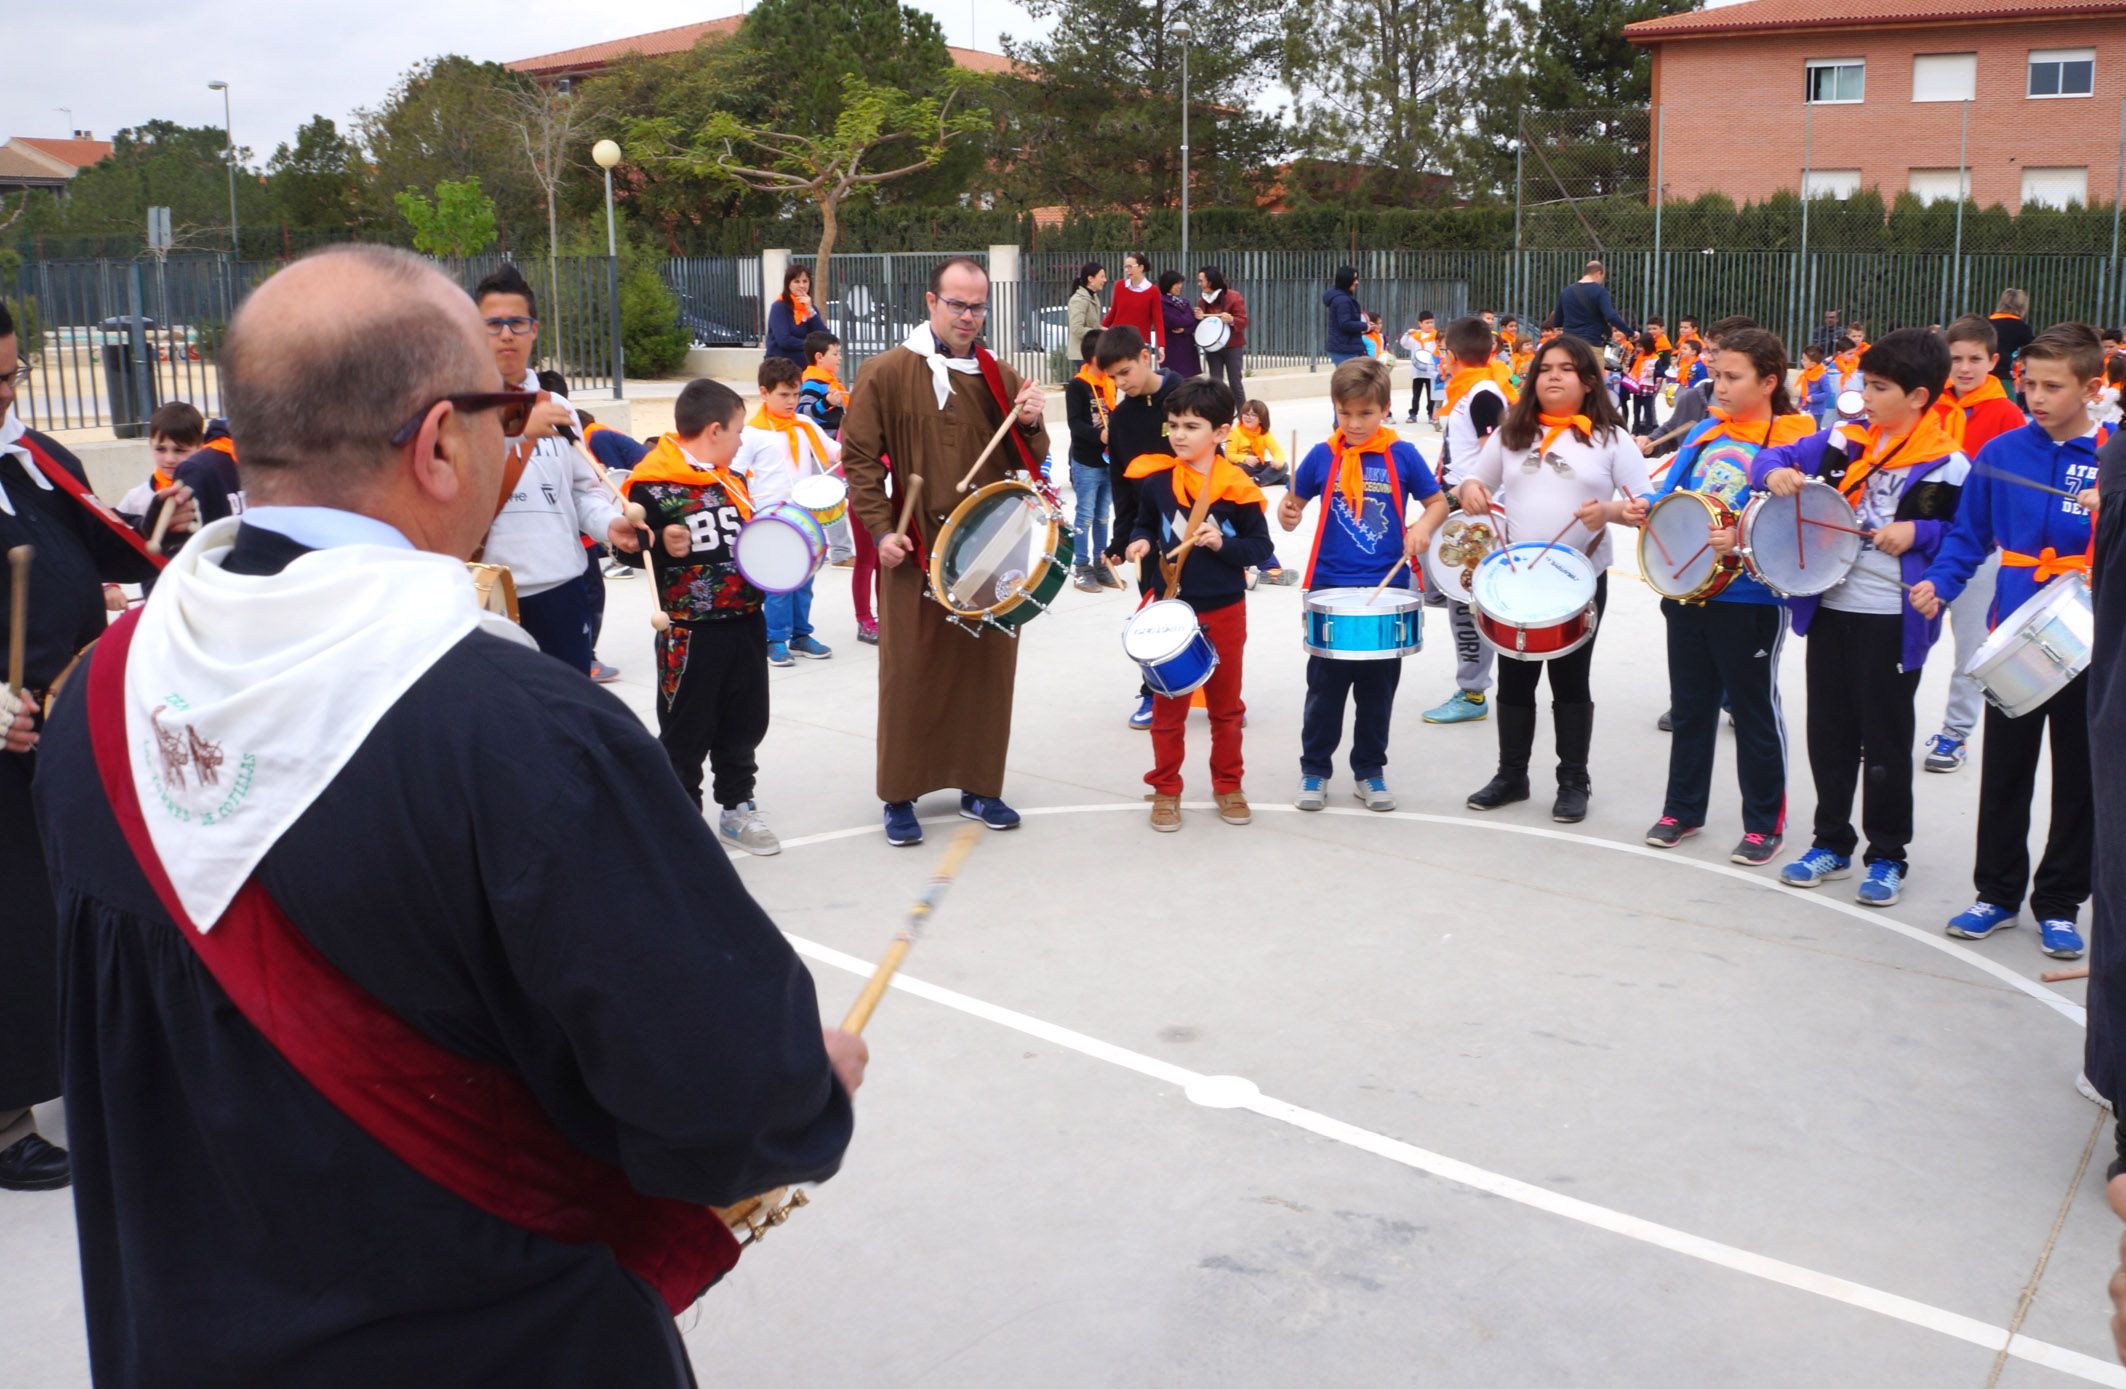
1516, 725
1574, 731
31, 1164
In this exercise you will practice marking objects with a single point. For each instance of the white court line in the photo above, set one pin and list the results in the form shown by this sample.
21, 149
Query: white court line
1233, 1092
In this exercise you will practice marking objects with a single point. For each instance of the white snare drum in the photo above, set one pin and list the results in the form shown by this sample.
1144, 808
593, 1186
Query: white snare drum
825, 496
1534, 601
1457, 548
779, 550
2038, 649
1801, 545
1212, 334
1675, 555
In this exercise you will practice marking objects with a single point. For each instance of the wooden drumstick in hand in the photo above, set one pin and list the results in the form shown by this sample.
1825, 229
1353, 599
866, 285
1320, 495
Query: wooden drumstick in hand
1011, 417
915, 489
162, 523
18, 614
1380, 587
636, 515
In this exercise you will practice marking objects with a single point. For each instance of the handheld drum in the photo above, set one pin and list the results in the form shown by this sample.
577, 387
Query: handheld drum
1675, 554
826, 497
781, 548
1212, 334
1457, 548
1169, 646
1802, 545
1534, 601
1001, 557
2038, 649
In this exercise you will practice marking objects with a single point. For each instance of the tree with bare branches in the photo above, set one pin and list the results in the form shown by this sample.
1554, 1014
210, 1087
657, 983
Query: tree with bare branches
552, 128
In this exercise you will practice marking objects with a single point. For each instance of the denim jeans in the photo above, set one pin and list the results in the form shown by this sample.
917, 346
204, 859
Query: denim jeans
790, 614
1095, 489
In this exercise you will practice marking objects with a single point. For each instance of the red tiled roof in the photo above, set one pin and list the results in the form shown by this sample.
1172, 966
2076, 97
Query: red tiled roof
683, 37
78, 154
1763, 16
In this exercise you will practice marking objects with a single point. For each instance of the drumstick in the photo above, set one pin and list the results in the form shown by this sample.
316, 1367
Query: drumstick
915, 486
875, 989
1011, 417
1834, 526
1374, 596
18, 613
634, 511
2061, 976
1693, 558
2034, 486
162, 522
1666, 557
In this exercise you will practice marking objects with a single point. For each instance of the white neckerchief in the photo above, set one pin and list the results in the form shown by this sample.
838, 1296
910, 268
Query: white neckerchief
246, 694
924, 343
11, 431
1210, 296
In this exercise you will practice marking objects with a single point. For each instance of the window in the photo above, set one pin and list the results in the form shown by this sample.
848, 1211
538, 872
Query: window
1940, 185
2062, 72
1836, 79
2055, 187
1944, 77
1831, 183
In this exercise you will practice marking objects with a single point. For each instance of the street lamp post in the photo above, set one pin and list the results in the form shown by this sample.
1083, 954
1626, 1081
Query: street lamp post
229, 157
1183, 32
606, 153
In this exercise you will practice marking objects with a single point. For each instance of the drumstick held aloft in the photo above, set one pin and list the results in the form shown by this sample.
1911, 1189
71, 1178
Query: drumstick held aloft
1381, 587
1011, 417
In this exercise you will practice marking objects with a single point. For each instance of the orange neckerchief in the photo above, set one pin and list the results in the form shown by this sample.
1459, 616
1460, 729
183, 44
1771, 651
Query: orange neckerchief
1697, 343
1686, 358
1350, 468
1522, 360
1103, 385
790, 302
1662, 344
1779, 429
1380, 349
816, 372
158, 479
1847, 362
789, 429
1427, 338
224, 444
667, 462
1988, 388
1810, 375
1555, 425
1227, 483
1459, 385
1886, 452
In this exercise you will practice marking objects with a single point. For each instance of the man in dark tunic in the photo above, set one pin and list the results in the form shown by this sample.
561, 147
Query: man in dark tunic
927, 408
374, 1074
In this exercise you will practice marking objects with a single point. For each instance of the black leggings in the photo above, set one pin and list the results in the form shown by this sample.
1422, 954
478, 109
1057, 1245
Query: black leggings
1568, 674
1420, 388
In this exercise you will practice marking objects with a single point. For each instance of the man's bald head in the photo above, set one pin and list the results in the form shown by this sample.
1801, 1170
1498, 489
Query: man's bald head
330, 356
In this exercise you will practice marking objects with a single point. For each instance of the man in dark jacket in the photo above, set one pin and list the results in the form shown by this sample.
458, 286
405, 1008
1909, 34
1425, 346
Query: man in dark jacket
1347, 322
2011, 333
1585, 309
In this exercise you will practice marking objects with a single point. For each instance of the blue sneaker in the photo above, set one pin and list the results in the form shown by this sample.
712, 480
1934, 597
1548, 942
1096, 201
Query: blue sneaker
1815, 868
811, 647
1313, 793
1142, 719
1980, 920
1945, 754
989, 810
779, 654
1465, 707
2059, 939
902, 828
1882, 887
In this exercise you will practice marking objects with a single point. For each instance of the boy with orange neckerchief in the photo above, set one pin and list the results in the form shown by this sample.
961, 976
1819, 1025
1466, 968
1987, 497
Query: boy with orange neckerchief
821, 396
1195, 495
1867, 645
777, 448
1422, 343
1366, 478
1472, 406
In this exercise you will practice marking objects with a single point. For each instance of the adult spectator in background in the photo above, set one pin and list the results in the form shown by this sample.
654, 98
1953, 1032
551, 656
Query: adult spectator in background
1084, 310
1585, 310
1216, 299
2011, 333
1178, 317
1346, 337
1828, 335
792, 316
1135, 303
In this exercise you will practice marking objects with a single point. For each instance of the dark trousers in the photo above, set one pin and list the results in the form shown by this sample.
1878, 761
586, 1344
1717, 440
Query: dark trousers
1420, 391
1330, 684
1860, 727
594, 590
1730, 648
1568, 674
29, 948
559, 620
1225, 366
719, 712
2007, 777
1642, 413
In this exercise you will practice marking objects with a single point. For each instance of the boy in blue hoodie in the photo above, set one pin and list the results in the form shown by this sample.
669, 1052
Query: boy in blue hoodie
1867, 645
2041, 538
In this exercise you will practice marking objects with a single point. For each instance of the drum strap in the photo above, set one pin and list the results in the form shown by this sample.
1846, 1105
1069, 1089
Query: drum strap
66, 482
1170, 570
1328, 499
993, 377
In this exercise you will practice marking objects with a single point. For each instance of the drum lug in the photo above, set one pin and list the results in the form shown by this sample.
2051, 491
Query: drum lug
1011, 632
954, 619
760, 1222
2051, 653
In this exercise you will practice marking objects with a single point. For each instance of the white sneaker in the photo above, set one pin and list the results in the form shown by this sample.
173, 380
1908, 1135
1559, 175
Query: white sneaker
748, 829
2088, 1091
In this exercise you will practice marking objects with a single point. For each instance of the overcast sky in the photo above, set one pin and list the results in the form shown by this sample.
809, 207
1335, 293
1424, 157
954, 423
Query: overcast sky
118, 63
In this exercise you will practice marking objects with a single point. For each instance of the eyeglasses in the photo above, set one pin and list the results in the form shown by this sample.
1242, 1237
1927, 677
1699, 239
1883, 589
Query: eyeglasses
960, 310
20, 375
515, 327
515, 406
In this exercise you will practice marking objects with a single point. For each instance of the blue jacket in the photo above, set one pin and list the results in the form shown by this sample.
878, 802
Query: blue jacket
1347, 324
787, 339
1929, 503
1586, 311
1743, 588
1994, 512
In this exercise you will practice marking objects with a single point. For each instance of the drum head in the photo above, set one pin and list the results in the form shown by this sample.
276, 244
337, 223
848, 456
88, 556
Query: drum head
776, 554
1159, 630
992, 546
819, 492
1803, 544
1673, 552
1361, 602
1457, 548
1534, 585
1212, 333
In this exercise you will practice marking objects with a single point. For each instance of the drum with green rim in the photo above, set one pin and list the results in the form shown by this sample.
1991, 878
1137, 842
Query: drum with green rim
1002, 556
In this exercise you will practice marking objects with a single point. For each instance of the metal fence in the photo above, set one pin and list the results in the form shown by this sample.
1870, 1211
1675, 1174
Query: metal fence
720, 303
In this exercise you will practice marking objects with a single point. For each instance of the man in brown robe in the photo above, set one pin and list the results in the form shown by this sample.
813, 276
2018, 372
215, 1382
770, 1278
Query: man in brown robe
926, 408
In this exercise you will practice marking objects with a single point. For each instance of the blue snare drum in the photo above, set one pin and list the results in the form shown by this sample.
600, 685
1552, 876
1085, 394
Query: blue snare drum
1347, 624
1165, 639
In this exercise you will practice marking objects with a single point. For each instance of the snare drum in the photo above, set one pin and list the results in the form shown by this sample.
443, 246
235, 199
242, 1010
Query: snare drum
1212, 334
1002, 556
1348, 624
1675, 557
825, 496
1534, 601
1802, 545
1457, 548
1167, 643
781, 548
2038, 649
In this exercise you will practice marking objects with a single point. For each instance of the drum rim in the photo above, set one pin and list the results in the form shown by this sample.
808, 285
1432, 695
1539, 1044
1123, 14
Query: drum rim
1724, 570
1193, 632
1223, 337
1034, 575
1391, 601
1745, 527
2006, 637
786, 520
1593, 575
1439, 538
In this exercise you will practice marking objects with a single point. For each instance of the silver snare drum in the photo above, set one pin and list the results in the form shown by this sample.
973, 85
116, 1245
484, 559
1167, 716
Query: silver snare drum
2038, 649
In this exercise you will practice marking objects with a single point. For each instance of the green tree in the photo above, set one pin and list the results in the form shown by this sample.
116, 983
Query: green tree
437, 123
161, 163
459, 222
316, 183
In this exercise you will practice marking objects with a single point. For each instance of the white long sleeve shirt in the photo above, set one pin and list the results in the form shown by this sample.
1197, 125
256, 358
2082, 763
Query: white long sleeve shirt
1541, 492
763, 460
557, 501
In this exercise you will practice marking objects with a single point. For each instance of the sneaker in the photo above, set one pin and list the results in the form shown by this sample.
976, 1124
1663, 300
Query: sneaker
902, 828
1142, 719
2059, 939
1664, 723
1108, 577
1085, 582
744, 826
1373, 794
779, 654
1166, 813
1233, 808
1283, 578
845, 562
1313, 793
1465, 706
1410, 418
1944, 753
811, 648
1815, 868
1884, 884
1756, 850
2088, 1091
867, 633
1668, 832
989, 810
1249, 579
1980, 920
603, 673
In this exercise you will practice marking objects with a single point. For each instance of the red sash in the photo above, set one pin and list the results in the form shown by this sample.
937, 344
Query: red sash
993, 376
472, 1128
1393, 507
67, 483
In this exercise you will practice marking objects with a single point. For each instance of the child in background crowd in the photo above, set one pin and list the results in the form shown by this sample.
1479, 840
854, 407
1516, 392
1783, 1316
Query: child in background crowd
175, 431
776, 450
1422, 343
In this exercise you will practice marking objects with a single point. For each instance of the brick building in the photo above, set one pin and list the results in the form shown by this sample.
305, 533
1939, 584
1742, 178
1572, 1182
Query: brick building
571, 64
1874, 91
